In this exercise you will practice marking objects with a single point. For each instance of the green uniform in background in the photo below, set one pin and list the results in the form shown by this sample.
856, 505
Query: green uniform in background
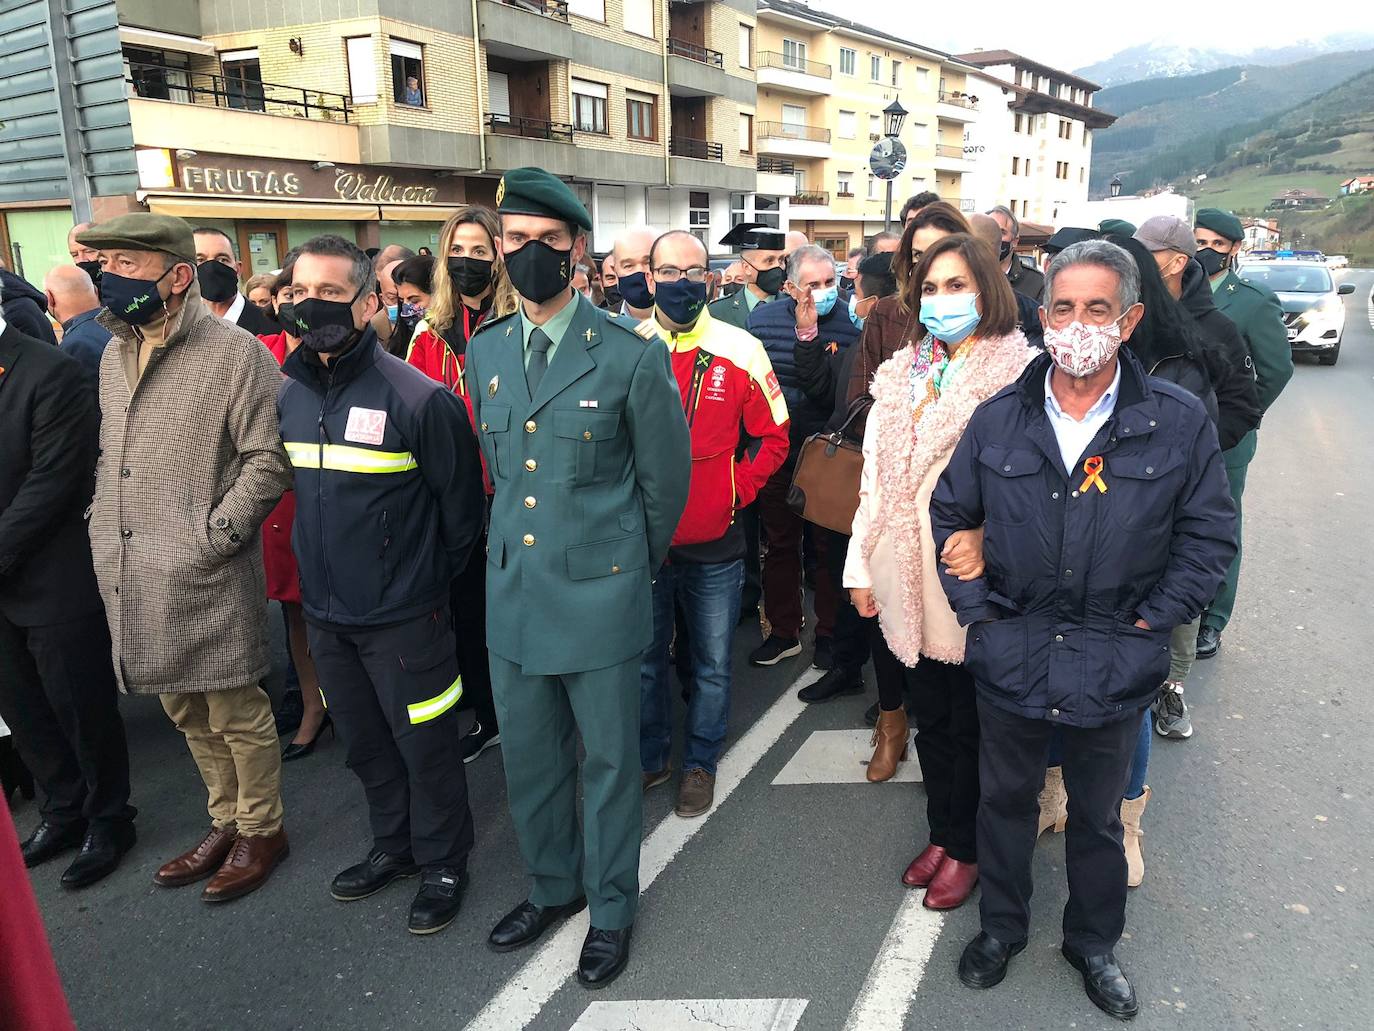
735, 309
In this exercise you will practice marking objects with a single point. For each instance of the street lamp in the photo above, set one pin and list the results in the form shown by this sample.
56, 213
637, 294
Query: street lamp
888, 161
1115, 186
893, 117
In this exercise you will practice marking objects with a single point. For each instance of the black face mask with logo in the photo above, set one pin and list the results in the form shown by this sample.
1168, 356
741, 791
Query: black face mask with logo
92, 269
539, 272
470, 275
135, 302
218, 281
1212, 261
326, 326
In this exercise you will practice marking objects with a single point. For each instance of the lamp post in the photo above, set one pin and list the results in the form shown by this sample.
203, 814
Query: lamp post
1115, 186
893, 117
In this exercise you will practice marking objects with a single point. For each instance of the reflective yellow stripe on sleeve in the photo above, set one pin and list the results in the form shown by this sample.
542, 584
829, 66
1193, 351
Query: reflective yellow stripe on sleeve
422, 712
342, 458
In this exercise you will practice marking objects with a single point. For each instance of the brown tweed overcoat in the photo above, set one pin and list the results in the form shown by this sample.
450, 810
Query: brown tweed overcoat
190, 465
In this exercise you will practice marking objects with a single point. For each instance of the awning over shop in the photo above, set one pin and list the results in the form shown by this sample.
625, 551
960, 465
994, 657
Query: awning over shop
415, 213
263, 210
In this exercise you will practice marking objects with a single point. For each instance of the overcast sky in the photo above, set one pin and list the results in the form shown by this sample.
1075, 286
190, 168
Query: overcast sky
1072, 33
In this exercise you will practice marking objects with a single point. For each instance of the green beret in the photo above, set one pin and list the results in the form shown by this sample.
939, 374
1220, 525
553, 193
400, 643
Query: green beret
1221, 222
533, 191
143, 232
1117, 226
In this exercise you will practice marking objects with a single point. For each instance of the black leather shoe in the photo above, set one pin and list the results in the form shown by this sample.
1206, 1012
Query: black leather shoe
371, 876
985, 959
604, 955
1105, 984
438, 900
1208, 641
292, 751
49, 840
835, 683
526, 922
101, 852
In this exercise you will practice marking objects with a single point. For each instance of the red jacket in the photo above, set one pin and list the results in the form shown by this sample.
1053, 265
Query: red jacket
431, 354
728, 389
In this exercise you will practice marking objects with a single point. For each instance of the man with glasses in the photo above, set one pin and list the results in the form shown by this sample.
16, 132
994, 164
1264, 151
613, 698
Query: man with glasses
727, 387
762, 256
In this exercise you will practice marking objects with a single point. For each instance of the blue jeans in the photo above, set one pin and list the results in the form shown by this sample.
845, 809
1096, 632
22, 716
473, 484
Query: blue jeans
710, 599
1140, 759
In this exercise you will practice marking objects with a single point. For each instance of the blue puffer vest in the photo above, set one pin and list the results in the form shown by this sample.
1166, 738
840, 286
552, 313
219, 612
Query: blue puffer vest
775, 324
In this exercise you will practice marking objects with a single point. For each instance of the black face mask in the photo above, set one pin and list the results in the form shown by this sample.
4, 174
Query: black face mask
1004, 251
132, 301
470, 275
730, 289
218, 282
1212, 261
538, 272
286, 317
326, 326
635, 289
614, 299
770, 280
846, 283
92, 269
682, 301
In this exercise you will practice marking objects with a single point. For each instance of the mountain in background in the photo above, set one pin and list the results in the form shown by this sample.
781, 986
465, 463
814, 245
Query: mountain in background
1167, 56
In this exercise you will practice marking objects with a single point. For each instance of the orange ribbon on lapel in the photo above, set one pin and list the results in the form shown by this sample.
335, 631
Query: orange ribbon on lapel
1093, 467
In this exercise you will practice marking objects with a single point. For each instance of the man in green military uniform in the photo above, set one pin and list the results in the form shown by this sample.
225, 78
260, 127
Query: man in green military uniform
762, 255
581, 425
1259, 317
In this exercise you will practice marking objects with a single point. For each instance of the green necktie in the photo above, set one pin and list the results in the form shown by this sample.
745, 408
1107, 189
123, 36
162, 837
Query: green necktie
539, 359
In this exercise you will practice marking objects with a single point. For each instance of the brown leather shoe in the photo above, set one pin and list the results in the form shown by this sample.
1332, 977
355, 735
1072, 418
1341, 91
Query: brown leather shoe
653, 780
697, 792
953, 884
890, 737
250, 862
200, 862
924, 867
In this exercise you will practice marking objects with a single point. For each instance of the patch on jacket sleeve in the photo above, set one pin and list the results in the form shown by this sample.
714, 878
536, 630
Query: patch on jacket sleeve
365, 426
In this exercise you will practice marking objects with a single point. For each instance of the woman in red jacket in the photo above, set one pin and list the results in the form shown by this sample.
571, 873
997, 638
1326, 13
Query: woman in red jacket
468, 285
283, 579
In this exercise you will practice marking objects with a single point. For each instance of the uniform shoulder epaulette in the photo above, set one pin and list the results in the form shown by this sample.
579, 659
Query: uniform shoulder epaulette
648, 328
493, 323
624, 322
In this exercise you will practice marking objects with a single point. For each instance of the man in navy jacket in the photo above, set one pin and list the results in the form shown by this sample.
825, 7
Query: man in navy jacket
1107, 522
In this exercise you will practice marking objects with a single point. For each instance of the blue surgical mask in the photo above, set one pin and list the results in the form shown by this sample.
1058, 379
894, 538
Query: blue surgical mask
393, 312
825, 299
950, 318
854, 315
635, 289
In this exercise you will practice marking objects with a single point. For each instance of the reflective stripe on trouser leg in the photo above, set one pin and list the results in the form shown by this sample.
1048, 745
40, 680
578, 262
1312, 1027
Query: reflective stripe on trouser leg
430, 708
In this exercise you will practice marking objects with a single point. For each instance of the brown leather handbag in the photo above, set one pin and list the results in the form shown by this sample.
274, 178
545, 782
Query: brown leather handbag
825, 483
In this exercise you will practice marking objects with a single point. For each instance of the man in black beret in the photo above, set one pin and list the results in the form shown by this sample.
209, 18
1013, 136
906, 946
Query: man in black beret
762, 254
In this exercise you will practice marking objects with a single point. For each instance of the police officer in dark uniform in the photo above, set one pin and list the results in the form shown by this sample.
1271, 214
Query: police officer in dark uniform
389, 503
582, 427
762, 253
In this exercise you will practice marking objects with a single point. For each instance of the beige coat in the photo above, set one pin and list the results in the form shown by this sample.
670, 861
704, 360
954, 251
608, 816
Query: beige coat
190, 465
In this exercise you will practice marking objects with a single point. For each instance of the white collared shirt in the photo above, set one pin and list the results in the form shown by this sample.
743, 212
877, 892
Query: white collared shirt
235, 309
1074, 436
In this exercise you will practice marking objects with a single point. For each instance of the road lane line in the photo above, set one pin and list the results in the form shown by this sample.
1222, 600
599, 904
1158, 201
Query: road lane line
534, 984
892, 981
693, 1015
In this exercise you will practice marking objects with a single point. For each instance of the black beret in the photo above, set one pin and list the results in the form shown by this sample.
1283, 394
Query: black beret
1068, 236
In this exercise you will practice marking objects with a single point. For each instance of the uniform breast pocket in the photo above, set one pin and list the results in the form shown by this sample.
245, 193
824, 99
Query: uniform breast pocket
1142, 487
591, 447
1013, 488
495, 436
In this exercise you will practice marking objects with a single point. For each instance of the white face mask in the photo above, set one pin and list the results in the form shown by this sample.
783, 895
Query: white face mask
1080, 349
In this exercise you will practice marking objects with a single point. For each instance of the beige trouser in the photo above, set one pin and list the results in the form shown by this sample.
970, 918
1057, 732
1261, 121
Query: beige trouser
233, 740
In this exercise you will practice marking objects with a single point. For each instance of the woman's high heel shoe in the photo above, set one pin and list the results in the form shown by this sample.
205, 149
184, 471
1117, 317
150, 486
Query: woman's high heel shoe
890, 741
294, 751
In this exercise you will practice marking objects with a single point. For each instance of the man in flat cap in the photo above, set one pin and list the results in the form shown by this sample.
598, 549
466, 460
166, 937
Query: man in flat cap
581, 425
763, 258
1259, 317
190, 465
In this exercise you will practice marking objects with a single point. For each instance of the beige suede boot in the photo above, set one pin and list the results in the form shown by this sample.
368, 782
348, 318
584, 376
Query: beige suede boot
1131, 811
1054, 802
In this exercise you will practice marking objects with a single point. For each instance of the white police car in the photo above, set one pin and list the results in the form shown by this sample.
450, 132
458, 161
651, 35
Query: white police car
1313, 311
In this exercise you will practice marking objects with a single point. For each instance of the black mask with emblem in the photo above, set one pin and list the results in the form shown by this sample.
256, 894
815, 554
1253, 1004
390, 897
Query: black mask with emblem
1212, 261
326, 326
539, 272
92, 269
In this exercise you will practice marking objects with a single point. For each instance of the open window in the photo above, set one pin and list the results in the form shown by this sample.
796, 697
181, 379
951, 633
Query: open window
407, 73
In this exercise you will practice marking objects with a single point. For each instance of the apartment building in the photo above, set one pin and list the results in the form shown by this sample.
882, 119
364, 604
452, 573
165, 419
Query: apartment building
371, 118
1034, 151
823, 82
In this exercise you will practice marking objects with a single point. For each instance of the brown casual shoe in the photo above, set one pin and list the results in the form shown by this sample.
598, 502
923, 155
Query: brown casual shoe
653, 780
250, 862
200, 862
890, 741
696, 793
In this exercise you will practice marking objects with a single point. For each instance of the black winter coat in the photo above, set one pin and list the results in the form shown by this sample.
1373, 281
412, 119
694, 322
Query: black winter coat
1228, 360
24, 306
775, 325
1070, 569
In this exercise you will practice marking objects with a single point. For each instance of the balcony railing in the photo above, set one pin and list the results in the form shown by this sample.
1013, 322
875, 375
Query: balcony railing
845, 193
815, 198
557, 9
949, 150
530, 128
702, 150
179, 85
958, 100
793, 131
773, 59
693, 52
776, 166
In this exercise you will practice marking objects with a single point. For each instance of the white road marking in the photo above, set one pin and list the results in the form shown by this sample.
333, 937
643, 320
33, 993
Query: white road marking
534, 984
896, 972
841, 757
693, 1015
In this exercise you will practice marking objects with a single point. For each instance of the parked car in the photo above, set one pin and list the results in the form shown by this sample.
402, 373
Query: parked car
1313, 310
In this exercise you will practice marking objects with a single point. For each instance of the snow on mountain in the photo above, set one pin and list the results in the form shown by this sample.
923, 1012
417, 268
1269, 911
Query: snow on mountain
1169, 57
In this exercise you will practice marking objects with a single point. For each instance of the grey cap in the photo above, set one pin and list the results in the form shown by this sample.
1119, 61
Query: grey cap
1166, 233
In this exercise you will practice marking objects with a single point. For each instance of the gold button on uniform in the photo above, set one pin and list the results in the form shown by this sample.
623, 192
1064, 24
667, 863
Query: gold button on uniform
529, 540
530, 426
615, 569
530, 502
531, 465
586, 434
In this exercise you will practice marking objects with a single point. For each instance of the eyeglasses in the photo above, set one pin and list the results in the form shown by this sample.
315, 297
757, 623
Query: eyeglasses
671, 273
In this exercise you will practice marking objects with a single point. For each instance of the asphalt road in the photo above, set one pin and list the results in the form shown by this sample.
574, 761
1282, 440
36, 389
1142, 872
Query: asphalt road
1257, 909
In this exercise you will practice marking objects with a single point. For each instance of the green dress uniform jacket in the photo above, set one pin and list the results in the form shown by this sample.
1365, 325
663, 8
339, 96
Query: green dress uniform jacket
734, 309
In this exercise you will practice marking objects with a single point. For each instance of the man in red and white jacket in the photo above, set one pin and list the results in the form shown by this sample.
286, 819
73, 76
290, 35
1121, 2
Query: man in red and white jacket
728, 393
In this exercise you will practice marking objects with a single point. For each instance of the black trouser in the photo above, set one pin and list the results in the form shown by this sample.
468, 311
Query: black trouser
59, 698
468, 600
392, 692
850, 641
753, 566
1097, 765
946, 715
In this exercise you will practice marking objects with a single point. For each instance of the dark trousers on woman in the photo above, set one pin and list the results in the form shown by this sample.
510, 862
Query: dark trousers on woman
468, 600
851, 629
946, 715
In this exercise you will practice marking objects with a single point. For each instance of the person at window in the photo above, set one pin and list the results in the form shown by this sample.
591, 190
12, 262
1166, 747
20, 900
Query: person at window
413, 95
217, 270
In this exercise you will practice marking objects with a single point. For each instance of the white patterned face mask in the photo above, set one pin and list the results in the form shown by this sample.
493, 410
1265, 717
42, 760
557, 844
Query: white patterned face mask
1080, 349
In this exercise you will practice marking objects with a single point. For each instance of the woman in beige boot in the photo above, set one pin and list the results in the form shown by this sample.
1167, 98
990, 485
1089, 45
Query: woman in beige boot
964, 348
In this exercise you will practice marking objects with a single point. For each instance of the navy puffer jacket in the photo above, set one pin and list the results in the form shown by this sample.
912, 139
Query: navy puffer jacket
1070, 569
775, 324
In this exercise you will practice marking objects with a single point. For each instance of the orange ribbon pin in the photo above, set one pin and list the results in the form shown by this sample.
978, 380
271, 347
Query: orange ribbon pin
1093, 467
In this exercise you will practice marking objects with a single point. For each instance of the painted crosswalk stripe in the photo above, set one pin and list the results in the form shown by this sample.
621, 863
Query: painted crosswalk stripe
693, 1015
841, 757
534, 984
895, 976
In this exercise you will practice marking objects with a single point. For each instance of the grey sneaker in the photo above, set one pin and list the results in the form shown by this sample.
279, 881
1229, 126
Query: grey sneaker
1171, 712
